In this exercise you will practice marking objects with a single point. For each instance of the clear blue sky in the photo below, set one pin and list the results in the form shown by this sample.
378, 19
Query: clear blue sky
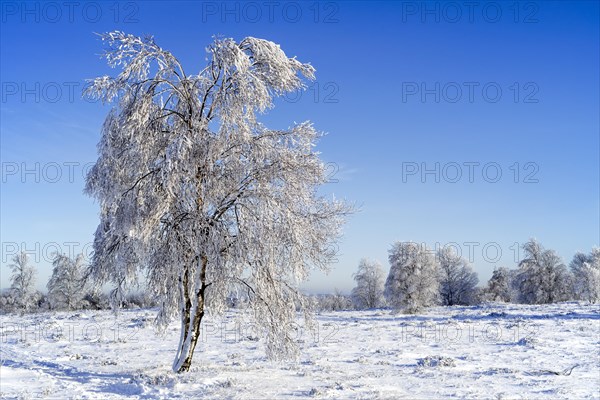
400, 87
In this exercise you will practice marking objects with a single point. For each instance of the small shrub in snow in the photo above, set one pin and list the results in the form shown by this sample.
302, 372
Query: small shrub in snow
527, 341
436, 362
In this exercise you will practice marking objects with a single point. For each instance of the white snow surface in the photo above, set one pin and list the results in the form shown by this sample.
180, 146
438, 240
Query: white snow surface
491, 351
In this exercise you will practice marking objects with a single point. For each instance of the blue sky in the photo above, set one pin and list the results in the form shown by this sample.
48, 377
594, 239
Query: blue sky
402, 87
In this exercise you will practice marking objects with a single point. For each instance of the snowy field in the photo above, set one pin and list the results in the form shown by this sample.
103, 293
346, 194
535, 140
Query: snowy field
492, 351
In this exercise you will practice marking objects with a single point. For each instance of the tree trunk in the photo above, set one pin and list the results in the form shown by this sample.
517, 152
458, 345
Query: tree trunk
190, 339
191, 318
192, 303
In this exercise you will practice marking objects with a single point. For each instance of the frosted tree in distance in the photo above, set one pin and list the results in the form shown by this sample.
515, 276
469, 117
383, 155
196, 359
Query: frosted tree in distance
23, 282
370, 279
586, 275
412, 283
199, 195
66, 285
457, 279
542, 277
499, 287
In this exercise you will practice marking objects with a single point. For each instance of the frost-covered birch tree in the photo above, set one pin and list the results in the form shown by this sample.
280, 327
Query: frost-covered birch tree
370, 280
457, 278
197, 193
586, 276
412, 283
542, 277
23, 282
66, 285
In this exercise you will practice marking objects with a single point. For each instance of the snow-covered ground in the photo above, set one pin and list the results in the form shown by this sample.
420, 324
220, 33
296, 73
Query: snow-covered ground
492, 351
